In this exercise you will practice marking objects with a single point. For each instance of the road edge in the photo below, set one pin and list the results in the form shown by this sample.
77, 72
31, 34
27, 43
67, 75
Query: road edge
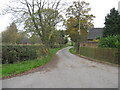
95, 60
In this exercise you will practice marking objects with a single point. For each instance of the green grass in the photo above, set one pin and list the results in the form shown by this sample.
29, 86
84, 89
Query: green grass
72, 50
69, 43
0, 70
11, 69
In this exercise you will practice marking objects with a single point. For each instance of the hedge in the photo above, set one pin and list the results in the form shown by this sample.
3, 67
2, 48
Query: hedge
111, 55
17, 53
110, 42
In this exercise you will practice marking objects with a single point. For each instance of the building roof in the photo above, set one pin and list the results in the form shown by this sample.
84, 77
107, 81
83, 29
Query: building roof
93, 33
25, 41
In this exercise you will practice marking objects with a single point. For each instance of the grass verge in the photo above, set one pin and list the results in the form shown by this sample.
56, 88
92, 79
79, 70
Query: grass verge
11, 69
72, 50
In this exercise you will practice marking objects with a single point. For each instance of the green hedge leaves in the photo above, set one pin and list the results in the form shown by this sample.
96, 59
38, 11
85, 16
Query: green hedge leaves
17, 53
110, 42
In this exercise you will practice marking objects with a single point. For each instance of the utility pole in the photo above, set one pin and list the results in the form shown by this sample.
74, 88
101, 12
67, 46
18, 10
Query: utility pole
78, 39
79, 16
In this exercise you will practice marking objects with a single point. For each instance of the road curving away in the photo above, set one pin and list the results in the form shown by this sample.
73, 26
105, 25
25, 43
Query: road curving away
70, 71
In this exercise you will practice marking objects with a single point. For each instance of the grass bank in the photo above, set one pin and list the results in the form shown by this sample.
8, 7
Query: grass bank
11, 69
72, 50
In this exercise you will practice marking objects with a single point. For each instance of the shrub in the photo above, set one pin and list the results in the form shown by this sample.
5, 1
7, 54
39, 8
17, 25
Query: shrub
96, 40
17, 53
16, 68
110, 42
98, 37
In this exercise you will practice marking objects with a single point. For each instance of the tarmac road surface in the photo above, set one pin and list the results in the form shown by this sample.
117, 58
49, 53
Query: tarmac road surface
68, 71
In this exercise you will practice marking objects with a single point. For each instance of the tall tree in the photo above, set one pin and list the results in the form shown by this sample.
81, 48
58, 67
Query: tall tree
78, 14
50, 19
72, 28
58, 38
23, 37
35, 39
10, 36
40, 16
112, 23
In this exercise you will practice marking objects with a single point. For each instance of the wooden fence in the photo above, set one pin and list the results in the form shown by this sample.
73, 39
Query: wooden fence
111, 55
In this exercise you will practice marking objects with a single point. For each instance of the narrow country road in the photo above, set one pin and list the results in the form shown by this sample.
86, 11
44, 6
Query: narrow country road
70, 71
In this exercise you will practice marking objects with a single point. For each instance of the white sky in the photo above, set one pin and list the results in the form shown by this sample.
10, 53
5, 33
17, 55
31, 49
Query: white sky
100, 8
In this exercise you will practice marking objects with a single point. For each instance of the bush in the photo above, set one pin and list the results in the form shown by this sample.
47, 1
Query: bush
17, 53
72, 50
16, 68
110, 42
111, 55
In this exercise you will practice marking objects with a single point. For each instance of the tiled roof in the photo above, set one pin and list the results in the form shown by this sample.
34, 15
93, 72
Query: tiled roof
95, 32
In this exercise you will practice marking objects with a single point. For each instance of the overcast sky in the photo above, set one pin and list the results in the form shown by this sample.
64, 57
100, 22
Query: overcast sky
100, 8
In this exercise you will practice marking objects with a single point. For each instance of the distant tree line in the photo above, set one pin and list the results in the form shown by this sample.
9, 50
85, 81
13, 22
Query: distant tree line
40, 18
13, 36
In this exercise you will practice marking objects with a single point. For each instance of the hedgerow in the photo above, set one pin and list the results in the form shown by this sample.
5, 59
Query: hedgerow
17, 53
110, 42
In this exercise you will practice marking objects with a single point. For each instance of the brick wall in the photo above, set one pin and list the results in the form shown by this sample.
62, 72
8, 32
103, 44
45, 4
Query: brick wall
89, 44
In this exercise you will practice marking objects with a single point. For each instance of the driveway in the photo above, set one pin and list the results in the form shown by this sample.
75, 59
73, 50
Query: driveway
68, 71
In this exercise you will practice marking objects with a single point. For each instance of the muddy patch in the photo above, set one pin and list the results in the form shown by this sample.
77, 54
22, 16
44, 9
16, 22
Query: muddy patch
92, 66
